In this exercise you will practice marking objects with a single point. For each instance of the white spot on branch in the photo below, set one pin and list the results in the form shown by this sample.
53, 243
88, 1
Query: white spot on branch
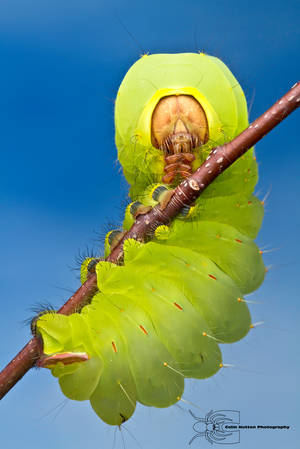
194, 184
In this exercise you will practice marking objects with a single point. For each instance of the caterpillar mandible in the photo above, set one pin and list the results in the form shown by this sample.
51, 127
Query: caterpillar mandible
159, 316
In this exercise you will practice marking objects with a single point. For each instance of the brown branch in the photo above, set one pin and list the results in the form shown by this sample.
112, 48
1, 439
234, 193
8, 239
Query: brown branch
219, 159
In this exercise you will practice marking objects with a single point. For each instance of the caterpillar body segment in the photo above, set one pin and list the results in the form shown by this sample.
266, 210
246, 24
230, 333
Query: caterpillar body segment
152, 78
160, 316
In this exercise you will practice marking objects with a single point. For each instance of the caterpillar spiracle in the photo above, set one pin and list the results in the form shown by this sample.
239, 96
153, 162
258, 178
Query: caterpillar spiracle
159, 317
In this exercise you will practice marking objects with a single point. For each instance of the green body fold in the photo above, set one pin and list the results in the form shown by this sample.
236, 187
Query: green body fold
160, 317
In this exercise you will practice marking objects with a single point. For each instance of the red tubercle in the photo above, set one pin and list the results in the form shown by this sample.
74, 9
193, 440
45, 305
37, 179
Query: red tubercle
178, 306
143, 329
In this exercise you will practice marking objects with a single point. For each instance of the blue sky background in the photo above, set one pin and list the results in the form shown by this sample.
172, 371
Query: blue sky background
61, 65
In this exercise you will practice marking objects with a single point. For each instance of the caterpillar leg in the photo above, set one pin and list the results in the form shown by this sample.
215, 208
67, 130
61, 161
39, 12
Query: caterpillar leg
33, 323
186, 211
137, 208
156, 194
112, 239
163, 195
56, 359
88, 267
66, 358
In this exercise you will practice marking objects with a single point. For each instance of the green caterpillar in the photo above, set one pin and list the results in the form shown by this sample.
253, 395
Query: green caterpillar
158, 318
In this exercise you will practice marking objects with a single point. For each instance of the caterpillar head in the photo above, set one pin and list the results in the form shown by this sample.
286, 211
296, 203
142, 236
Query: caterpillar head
168, 120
